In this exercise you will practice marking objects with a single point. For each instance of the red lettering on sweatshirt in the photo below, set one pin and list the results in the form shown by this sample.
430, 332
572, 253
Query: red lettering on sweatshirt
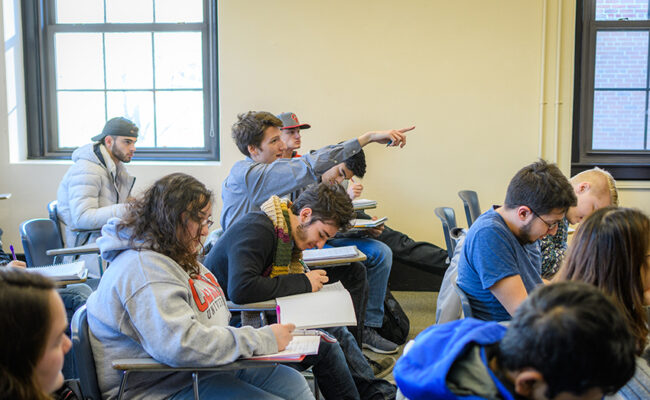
209, 292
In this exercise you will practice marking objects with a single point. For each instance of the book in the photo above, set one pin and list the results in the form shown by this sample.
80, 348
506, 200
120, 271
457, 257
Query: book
330, 253
330, 306
367, 223
298, 348
74, 271
360, 204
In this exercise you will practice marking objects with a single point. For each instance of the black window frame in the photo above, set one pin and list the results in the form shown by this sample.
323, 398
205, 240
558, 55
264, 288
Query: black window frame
622, 164
42, 139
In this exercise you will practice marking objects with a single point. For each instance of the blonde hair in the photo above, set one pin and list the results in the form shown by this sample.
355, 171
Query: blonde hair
602, 182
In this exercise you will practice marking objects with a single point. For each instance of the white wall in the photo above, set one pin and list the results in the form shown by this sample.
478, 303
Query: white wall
488, 85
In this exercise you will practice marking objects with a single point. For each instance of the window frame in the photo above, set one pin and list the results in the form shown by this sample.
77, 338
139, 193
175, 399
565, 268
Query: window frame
622, 164
41, 115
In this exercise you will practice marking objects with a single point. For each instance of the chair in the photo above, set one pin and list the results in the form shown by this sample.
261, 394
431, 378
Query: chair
472, 208
83, 355
448, 218
464, 301
39, 235
54, 216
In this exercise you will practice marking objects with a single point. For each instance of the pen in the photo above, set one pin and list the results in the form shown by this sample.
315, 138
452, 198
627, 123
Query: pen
306, 332
13, 253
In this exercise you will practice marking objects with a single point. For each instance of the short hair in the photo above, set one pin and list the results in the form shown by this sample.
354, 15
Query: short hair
574, 336
542, 187
609, 251
602, 183
329, 204
250, 127
357, 164
25, 323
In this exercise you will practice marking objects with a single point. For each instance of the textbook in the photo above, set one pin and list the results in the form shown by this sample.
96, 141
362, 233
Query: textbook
73, 271
367, 223
299, 347
360, 204
330, 253
330, 306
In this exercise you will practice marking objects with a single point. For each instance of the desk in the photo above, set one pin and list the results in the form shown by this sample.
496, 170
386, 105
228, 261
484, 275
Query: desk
90, 248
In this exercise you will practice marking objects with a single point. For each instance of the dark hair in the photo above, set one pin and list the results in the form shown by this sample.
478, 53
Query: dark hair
574, 336
250, 127
163, 209
25, 323
357, 164
328, 203
609, 251
541, 186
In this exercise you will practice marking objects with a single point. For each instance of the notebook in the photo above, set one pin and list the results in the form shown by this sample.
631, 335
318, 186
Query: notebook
363, 203
330, 253
63, 272
298, 348
330, 306
368, 223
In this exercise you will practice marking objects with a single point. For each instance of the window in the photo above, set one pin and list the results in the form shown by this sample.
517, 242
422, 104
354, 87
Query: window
612, 85
152, 61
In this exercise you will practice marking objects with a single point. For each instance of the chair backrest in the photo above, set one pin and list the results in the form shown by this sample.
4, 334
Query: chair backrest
39, 235
472, 208
54, 216
448, 218
83, 355
464, 301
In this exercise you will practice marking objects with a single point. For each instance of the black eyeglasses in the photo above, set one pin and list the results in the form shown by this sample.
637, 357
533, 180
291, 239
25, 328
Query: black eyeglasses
550, 226
207, 222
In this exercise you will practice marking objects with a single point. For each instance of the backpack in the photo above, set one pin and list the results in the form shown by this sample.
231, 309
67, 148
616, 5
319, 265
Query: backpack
71, 390
396, 324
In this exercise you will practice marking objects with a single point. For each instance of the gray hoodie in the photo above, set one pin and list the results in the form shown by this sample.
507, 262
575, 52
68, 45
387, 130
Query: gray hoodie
146, 305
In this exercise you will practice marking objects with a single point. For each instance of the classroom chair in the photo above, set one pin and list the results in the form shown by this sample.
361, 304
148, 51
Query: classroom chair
81, 236
464, 300
83, 355
448, 218
39, 235
472, 208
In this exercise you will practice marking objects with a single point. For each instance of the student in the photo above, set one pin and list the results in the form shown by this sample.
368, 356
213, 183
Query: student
611, 250
594, 188
32, 336
290, 135
156, 300
97, 185
259, 258
566, 341
500, 262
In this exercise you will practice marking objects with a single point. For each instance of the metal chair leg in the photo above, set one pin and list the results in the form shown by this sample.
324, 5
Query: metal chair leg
125, 376
195, 384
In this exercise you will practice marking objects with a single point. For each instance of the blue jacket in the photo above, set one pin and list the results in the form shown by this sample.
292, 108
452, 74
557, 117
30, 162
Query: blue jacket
422, 373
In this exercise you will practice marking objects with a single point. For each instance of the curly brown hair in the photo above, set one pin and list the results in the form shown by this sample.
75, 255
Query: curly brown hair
328, 203
167, 206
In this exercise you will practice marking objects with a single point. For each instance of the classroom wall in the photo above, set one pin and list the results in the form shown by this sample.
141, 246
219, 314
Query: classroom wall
488, 84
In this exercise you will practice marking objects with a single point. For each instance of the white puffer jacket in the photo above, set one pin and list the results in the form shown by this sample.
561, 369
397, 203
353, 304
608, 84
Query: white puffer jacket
91, 193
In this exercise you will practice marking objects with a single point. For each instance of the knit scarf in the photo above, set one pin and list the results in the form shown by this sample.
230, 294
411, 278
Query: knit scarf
287, 259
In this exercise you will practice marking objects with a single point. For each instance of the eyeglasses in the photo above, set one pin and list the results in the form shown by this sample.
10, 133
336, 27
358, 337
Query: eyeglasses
550, 226
207, 222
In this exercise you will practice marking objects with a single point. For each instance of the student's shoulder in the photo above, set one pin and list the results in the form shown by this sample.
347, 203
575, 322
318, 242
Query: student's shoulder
489, 226
253, 223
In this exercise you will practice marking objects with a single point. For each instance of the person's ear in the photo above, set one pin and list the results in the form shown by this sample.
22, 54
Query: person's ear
523, 212
583, 187
108, 142
527, 382
252, 150
305, 215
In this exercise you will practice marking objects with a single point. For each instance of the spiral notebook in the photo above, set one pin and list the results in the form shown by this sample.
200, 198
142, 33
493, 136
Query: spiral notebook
63, 272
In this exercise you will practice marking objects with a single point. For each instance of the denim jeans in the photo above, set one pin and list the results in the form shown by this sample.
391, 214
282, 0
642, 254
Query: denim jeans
279, 382
73, 296
378, 264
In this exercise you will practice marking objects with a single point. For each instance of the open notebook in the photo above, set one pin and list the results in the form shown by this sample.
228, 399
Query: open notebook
330, 306
330, 253
367, 223
298, 348
363, 203
63, 272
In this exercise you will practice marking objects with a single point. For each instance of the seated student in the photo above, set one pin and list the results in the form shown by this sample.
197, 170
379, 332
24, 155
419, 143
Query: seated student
566, 341
611, 250
595, 188
500, 262
32, 335
259, 258
421, 255
156, 300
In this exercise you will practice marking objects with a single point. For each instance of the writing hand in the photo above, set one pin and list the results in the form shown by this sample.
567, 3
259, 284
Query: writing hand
317, 278
283, 334
354, 189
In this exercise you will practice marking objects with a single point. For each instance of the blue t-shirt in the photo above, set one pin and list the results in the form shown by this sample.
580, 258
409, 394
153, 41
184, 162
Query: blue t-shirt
491, 252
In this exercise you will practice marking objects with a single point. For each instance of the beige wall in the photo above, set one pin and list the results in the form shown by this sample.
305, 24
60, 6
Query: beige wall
469, 74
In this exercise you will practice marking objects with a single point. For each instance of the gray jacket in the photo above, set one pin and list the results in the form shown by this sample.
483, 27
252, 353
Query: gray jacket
146, 305
91, 192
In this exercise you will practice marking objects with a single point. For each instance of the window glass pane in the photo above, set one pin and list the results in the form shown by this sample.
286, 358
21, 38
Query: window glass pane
9, 19
81, 116
618, 120
178, 60
79, 11
128, 61
179, 118
621, 60
79, 61
169, 11
138, 107
130, 11
613, 10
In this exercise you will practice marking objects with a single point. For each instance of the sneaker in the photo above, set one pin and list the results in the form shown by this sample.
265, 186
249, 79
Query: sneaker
382, 367
373, 341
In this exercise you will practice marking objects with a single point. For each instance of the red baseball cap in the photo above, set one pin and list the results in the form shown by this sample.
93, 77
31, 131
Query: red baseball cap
290, 120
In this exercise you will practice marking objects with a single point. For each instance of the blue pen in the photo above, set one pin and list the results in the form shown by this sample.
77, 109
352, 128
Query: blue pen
13, 253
